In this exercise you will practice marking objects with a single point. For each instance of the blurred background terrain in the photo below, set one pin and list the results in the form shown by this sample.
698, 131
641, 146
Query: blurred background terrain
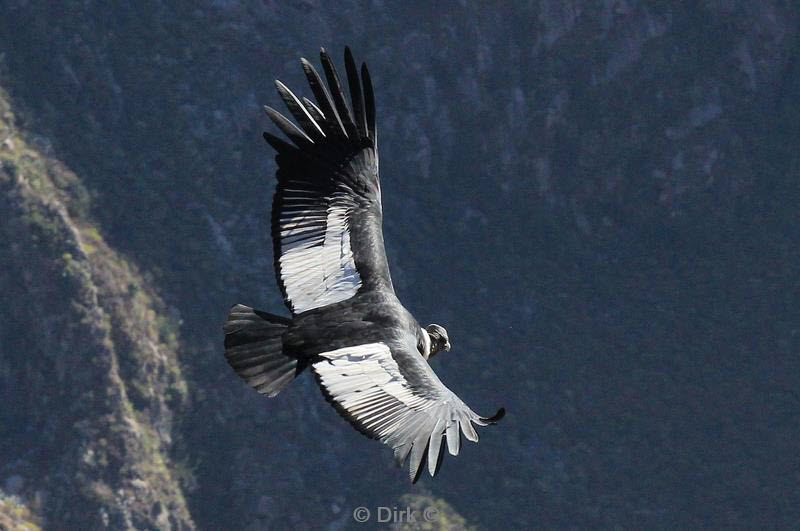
597, 199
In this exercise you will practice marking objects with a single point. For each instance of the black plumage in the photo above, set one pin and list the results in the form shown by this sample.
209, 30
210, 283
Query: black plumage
367, 352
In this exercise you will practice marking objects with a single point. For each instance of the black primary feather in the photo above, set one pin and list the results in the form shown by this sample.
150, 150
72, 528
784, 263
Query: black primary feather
298, 110
338, 97
326, 105
314, 111
297, 136
369, 104
356, 96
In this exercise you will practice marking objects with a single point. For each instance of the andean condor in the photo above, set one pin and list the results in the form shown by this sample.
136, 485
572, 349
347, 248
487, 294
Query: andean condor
367, 352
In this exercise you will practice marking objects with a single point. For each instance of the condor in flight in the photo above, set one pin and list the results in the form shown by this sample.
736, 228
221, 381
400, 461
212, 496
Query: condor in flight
367, 352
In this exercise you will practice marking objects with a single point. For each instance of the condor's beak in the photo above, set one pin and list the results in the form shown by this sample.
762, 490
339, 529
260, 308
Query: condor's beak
447, 346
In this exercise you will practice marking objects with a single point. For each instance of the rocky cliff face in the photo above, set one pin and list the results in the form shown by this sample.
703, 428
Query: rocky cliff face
89, 370
608, 189
15, 515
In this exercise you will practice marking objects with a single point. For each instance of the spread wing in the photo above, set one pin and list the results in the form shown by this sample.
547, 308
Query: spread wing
408, 408
326, 212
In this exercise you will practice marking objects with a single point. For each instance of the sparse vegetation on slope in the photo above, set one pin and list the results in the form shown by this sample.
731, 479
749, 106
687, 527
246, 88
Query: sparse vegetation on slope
85, 339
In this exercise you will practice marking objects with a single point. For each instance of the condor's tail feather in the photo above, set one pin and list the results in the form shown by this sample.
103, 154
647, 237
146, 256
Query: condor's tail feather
254, 348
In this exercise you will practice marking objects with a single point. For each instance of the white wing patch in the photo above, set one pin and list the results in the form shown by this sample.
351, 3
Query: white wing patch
366, 384
316, 263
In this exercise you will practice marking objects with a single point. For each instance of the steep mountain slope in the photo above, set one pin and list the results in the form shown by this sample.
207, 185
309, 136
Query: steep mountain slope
88, 373
14, 515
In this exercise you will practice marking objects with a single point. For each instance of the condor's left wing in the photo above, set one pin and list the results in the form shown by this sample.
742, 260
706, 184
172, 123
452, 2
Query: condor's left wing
326, 213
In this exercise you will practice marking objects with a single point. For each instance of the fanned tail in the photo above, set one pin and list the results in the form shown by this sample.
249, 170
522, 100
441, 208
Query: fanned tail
254, 348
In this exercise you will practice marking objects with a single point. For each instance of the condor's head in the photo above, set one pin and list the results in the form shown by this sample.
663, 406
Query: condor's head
433, 339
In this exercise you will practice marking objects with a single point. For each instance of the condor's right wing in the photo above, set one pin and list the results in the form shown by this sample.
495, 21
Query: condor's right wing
408, 408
